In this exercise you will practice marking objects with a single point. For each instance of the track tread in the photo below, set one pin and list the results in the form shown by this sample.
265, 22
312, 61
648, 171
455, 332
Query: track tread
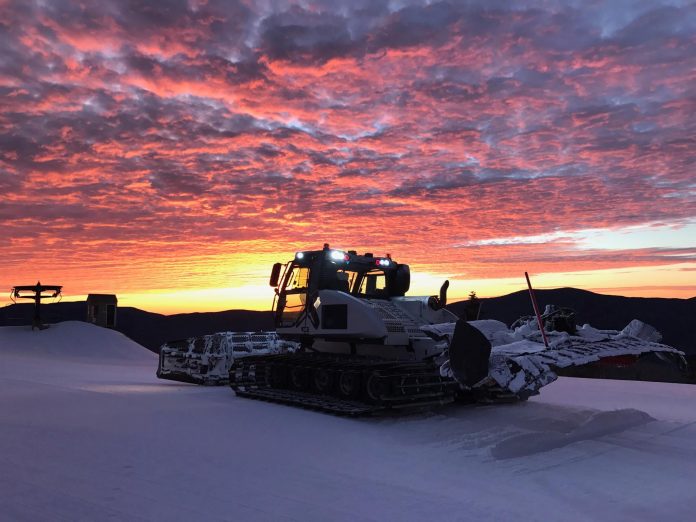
310, 401
409, 384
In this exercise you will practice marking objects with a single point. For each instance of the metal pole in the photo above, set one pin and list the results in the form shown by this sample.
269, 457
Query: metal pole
536, 310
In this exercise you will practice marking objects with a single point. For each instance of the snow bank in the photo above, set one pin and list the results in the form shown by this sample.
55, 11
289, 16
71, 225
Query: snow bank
72, 340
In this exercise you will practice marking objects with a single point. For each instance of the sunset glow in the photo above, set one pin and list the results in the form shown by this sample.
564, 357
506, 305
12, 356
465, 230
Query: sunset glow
170, 152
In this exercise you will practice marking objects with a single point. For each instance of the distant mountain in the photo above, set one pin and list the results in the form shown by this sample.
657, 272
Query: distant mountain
674, 318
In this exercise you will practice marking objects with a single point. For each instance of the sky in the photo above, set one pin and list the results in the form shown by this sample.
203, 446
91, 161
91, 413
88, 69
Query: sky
171, 151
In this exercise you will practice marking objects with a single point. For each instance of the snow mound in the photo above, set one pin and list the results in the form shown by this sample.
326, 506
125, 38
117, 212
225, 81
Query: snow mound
72, 340
643, 331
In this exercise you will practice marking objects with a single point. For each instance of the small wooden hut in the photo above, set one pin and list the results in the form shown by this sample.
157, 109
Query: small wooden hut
101, 309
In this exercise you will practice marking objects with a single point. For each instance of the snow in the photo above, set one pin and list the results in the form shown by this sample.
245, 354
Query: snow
88, 433
526, 337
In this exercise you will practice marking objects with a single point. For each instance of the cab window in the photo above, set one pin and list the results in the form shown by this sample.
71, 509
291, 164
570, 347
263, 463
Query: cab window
374, 284
292, 302
299, 279
349, 277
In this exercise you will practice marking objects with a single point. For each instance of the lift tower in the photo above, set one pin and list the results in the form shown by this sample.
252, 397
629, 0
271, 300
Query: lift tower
37, 293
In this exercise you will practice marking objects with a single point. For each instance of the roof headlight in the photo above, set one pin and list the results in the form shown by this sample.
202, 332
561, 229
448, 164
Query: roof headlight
337, 255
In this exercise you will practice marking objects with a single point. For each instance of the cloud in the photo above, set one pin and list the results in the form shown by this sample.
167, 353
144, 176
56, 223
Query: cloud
129, 127
301, 35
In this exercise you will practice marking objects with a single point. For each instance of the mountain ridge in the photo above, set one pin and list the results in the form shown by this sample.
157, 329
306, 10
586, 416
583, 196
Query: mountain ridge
673, 317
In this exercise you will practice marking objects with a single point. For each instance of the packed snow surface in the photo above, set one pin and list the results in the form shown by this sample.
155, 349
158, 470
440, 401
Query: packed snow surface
89, 433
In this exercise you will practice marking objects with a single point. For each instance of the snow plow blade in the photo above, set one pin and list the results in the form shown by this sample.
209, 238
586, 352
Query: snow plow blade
469, 354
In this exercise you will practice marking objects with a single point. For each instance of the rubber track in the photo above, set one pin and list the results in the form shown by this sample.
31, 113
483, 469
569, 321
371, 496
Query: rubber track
248, 378
311, 401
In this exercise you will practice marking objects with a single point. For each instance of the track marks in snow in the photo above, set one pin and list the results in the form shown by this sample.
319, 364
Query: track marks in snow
503, 432
598, 425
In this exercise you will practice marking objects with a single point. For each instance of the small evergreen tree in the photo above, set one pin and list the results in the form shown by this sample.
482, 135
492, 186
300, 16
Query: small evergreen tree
473, 306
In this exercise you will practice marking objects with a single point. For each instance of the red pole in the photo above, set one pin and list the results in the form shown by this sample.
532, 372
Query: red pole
536, 310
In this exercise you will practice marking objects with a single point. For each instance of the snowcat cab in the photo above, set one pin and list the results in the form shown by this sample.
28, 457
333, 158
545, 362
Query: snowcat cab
351, 303
363, 276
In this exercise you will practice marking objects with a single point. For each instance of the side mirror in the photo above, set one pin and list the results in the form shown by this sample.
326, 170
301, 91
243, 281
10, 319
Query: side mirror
275, 275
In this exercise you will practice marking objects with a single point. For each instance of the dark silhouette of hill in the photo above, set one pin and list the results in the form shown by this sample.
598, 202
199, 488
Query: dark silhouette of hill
153, 330
146, 328
674, 318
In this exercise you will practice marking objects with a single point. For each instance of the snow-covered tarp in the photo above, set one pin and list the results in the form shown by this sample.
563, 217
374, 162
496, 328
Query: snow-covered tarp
89, 433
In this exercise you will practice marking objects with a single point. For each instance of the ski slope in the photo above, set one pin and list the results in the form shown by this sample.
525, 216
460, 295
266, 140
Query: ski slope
88, 433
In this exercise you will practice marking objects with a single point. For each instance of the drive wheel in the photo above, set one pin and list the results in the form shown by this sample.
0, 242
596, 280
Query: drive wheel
375, 388
298, 378
349, 385
278, 377
322, 380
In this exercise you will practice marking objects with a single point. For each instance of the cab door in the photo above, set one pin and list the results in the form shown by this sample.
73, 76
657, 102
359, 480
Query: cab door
292, 298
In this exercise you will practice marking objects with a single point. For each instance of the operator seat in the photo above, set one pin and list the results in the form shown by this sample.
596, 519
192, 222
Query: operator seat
342, 284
